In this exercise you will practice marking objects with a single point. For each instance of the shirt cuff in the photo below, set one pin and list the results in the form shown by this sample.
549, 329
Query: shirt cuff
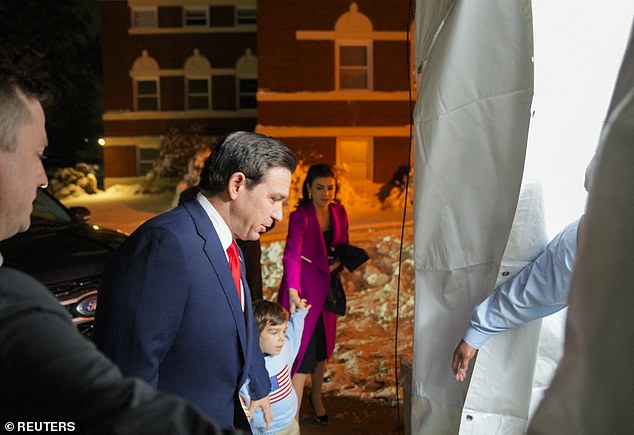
475, 338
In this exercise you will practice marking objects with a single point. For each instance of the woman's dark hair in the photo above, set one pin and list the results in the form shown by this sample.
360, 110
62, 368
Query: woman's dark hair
250, 153
319, 170
268, 313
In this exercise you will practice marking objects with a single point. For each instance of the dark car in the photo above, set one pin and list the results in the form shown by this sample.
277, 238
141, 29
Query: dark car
66, 253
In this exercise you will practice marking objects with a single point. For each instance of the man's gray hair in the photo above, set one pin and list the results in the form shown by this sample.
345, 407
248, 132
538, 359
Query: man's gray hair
250, 153
15, 88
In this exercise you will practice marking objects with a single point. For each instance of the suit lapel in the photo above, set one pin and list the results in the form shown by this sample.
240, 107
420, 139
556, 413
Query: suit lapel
220, 266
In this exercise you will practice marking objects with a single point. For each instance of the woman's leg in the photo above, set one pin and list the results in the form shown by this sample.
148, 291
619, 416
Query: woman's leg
298, 384
317, 380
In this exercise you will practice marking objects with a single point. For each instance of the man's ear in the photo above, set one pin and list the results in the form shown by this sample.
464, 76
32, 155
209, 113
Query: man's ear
237, 182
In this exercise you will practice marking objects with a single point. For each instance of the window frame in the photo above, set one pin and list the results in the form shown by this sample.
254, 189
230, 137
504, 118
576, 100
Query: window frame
189, 94
368, 68
240, 94
144, 165
196, 9
144, 9
369, 147
156, 96
252, 11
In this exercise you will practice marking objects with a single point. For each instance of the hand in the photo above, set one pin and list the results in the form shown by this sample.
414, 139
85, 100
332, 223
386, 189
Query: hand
334, 265
303, 305
461, 357
265, 404
295, 300
245, 408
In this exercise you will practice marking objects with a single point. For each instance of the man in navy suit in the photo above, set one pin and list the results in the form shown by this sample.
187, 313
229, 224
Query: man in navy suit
51, 376
169, 311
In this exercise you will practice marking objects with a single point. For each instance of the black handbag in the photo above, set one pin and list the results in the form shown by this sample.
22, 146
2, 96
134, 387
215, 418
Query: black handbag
336, 300
351, 256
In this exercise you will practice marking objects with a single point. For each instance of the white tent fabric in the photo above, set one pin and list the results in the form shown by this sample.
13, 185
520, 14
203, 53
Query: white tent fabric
500, 392
471, 126
430, 17
593, 388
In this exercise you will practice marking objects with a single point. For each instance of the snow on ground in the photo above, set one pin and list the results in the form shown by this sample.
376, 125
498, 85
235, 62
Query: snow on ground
122, 207
363, 362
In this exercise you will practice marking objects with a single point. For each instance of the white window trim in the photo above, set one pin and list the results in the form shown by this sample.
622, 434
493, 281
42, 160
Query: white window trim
136, 9
238, 93
140, 162
188, 94
237, 14
205, 10
369, 65
136, 92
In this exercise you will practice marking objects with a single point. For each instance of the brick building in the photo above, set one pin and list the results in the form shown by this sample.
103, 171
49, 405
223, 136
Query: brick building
333, 82
331, 78
170, 64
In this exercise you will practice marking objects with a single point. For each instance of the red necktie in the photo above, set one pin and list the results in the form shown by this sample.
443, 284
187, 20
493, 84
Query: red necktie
234, 264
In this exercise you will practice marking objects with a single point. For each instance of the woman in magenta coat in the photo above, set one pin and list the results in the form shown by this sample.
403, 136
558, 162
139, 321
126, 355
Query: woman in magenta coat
315, 228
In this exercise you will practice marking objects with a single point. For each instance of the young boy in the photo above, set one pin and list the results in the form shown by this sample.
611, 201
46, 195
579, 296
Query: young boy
279, 341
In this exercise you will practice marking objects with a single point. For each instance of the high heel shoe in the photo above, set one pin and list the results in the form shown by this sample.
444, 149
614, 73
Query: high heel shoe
319, 419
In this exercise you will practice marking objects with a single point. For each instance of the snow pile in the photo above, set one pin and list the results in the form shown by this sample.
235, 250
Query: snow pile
76, 181
125, 190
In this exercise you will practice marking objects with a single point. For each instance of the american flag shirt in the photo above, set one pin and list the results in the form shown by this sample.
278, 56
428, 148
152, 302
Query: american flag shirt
281, 385
282, 396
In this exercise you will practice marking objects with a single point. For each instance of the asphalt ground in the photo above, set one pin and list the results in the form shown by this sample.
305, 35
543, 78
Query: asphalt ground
352, 416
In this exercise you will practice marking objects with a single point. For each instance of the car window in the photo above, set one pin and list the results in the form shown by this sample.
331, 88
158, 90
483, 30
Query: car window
47, 209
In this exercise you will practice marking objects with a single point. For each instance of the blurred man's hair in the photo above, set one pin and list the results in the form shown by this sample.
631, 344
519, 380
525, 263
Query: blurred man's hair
15, 86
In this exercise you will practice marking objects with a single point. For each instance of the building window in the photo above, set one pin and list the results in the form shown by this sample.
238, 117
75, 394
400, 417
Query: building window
146, 159
198, 94
195, 17
246, 16
147, 94
247, 80
357, 156
353, 62
197, 82
144, 17
247, 90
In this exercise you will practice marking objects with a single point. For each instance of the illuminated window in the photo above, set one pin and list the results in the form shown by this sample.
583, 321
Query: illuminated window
353, 51
353, 61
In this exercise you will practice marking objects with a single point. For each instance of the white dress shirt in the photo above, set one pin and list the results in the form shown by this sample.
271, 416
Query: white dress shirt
223, 231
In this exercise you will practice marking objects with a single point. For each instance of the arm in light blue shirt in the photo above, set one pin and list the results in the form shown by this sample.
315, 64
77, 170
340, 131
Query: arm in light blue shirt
538, 290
